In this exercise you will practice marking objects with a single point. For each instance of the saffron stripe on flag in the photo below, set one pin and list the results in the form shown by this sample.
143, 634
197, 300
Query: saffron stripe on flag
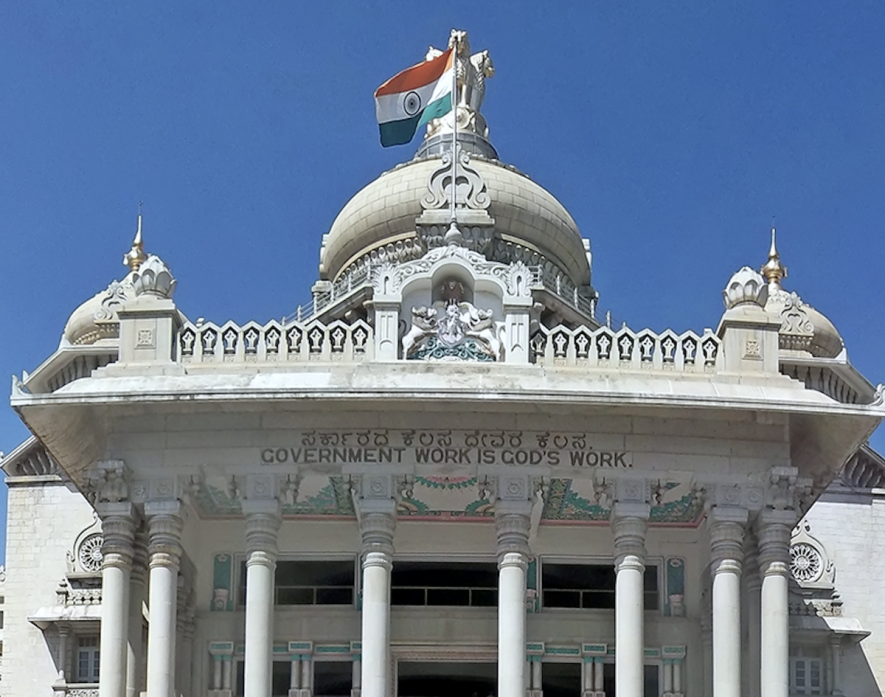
417, 76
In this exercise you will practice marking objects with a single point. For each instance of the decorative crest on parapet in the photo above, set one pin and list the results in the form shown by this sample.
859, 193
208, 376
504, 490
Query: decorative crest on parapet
153, 277
745, 287
471, 191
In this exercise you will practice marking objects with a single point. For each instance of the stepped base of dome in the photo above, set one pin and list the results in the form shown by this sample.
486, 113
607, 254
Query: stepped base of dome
471, 143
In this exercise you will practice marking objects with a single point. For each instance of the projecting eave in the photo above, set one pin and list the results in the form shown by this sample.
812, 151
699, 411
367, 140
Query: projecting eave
73, 421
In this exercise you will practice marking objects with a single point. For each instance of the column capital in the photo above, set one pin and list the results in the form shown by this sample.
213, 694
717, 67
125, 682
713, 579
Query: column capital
513, 525
773, 529
263, 520
377, 527
118, 524
726, 525
629, 523
165, 524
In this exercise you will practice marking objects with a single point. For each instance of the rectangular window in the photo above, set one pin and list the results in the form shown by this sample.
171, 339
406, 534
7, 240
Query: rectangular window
444, 584
88, 659
332, 678
310, 582
589, 586
806, 676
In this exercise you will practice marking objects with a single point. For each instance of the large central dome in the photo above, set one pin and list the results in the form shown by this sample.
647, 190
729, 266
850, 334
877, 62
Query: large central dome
381, 221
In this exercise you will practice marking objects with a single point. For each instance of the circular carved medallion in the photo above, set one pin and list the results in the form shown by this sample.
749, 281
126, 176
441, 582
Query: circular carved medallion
806, 564
89, 555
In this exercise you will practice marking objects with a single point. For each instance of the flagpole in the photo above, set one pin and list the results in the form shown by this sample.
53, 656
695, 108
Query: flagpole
455, 49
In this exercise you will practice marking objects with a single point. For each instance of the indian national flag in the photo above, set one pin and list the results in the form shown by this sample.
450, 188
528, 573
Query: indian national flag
413, 97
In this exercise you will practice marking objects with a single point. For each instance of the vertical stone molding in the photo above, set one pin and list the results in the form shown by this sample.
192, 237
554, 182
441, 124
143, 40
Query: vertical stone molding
726, 524
262, 528
774, 528
164, 527
377, 525
118, 521
137, 588
513, 527
221, 653
629, 522
753, 614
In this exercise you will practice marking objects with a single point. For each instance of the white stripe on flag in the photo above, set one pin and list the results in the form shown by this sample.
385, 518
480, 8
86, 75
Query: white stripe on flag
391, 107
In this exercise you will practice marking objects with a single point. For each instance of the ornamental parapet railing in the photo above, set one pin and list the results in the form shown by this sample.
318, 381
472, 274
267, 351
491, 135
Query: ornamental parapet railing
275, 342
626, 349
86, 592
362, 276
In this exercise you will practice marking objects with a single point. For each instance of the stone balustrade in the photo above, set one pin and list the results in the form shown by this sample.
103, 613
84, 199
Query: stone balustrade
274, 341
626, 349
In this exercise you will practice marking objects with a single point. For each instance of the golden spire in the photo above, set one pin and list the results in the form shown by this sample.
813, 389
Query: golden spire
135, 257
773, 270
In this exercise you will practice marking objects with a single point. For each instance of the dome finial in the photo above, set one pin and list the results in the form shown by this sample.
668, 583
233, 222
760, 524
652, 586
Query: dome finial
773, 270
135, 257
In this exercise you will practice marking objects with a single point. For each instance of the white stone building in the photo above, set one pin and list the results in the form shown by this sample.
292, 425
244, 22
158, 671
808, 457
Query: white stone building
447, 476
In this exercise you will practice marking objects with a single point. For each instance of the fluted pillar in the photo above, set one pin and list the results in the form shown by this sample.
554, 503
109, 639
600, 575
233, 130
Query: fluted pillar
773, 533
118, 531
629, 522
726, 552
137, 588
164, 527
262, 527
377, 525
753, 613
513, 525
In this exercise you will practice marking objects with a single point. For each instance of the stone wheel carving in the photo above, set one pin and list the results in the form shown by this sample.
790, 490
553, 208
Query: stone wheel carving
89, 555
806, 564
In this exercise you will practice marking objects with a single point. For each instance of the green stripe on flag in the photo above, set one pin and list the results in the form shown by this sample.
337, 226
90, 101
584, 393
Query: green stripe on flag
402, 131
434, 110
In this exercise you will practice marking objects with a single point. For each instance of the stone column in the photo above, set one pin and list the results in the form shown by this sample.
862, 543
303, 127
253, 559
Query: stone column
262, 526
357, 676
513, 525
164, 527
377, 525
726, 552
774, 565
753, 586
629, 522
836, 657
137, 588
118, 530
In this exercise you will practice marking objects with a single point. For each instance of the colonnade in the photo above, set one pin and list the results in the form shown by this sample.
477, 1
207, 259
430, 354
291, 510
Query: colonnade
767, 611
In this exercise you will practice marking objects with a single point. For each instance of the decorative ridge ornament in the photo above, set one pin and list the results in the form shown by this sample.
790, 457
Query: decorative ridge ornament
136, 256
773, 270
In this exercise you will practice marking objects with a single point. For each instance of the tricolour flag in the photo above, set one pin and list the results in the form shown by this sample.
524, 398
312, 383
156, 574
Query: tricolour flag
413, 97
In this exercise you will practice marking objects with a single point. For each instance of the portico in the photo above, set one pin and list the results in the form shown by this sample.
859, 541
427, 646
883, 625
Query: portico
449, 458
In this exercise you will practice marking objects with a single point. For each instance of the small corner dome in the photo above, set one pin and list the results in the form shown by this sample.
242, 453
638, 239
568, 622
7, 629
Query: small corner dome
96, 319
379, 221
802, 323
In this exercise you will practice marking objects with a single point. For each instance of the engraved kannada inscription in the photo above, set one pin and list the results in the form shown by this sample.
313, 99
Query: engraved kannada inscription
449, 447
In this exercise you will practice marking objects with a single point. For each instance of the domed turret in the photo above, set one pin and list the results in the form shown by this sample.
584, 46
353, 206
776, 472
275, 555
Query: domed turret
803, 328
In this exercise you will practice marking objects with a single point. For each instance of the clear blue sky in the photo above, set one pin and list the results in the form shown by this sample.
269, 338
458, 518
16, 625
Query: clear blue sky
672, 131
